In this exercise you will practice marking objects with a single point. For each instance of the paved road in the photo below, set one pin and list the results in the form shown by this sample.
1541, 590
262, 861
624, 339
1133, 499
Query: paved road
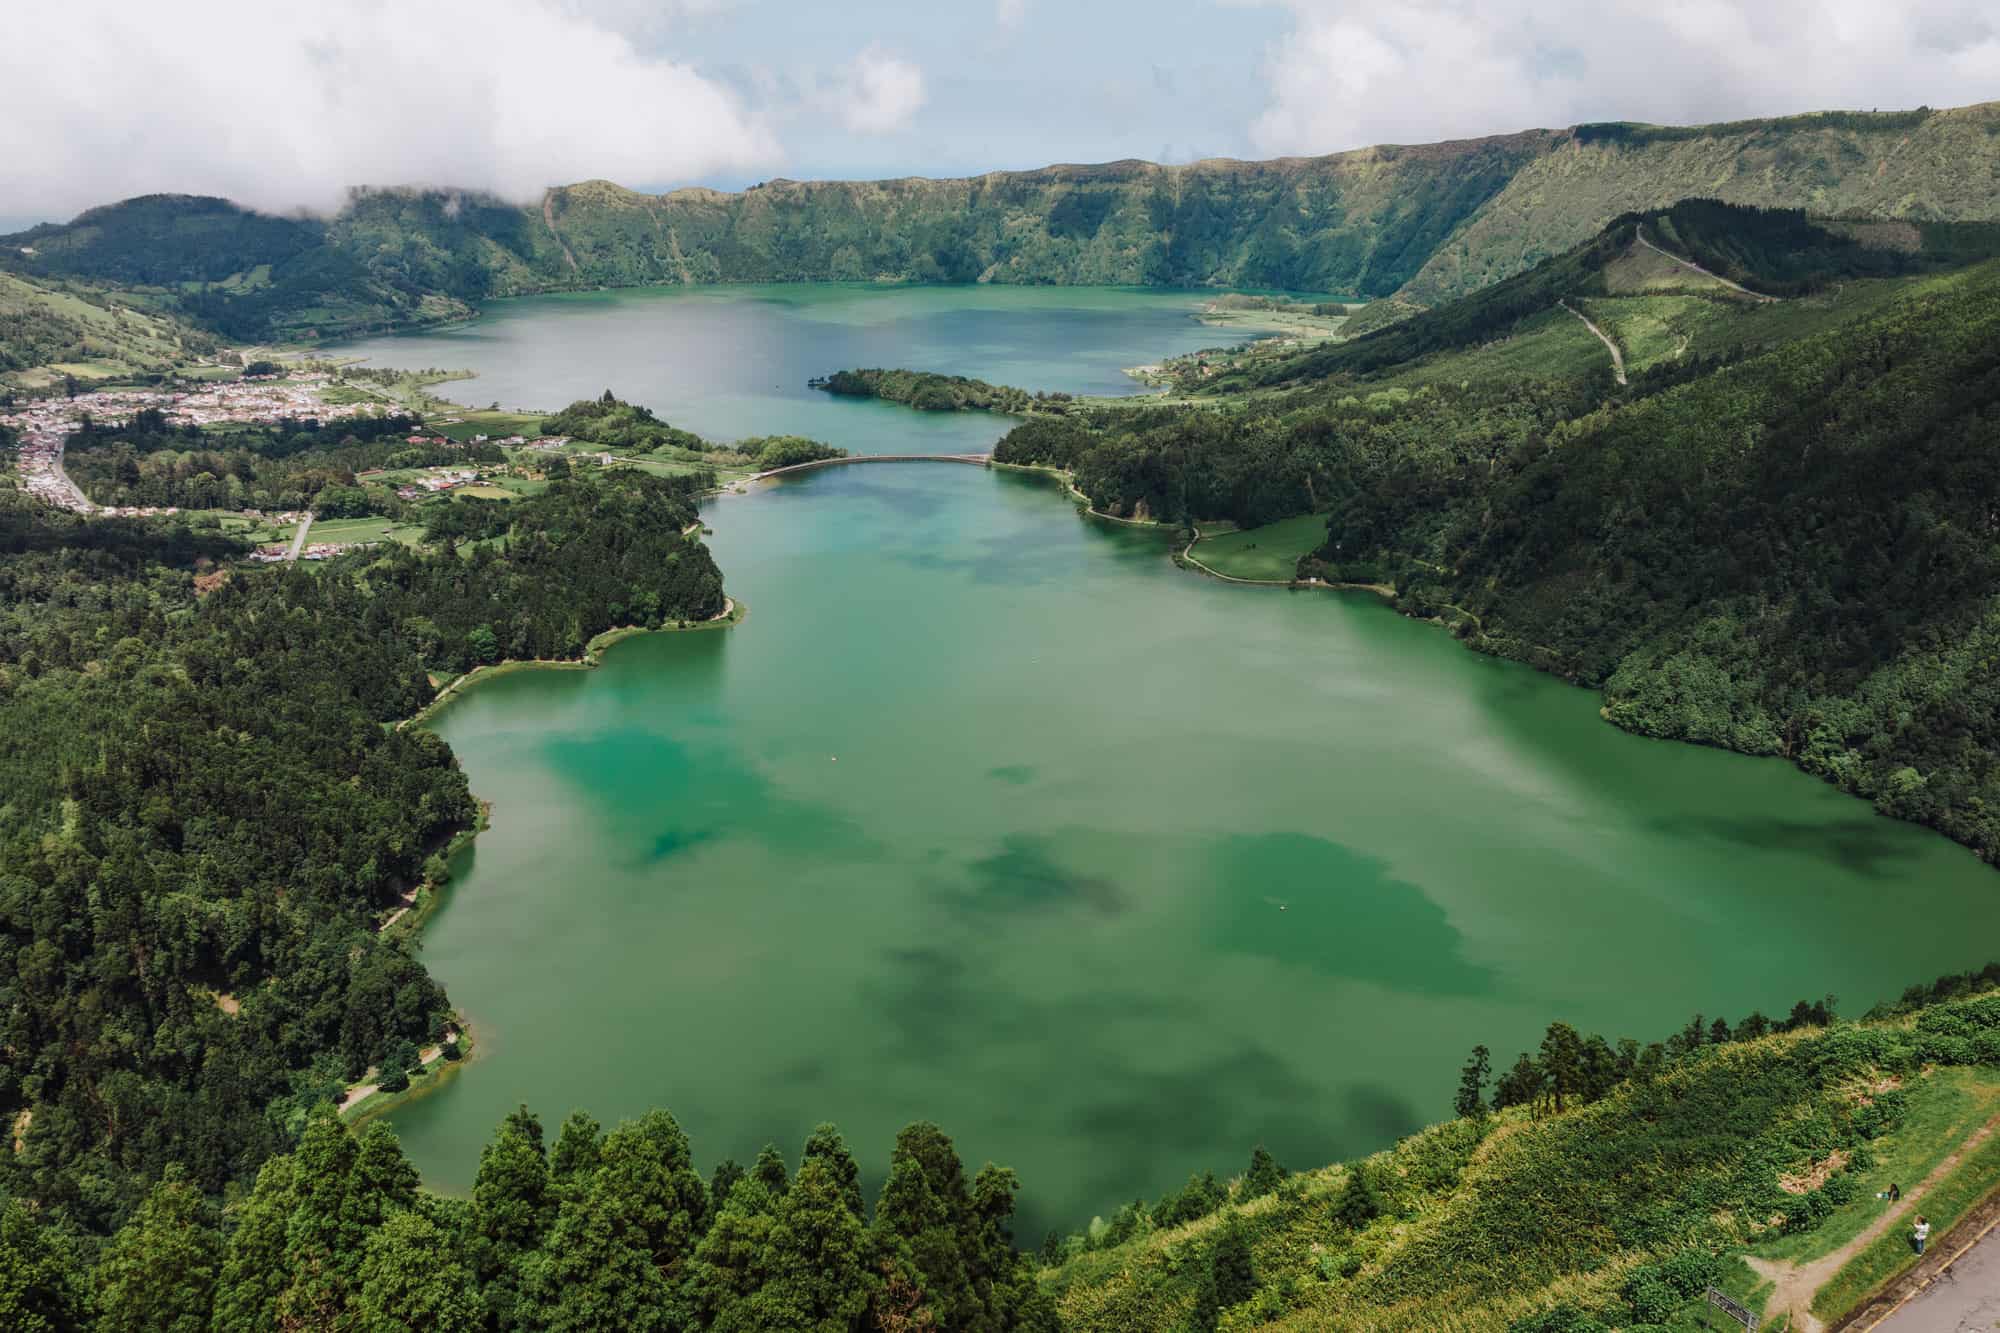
1965, 1298
299, 539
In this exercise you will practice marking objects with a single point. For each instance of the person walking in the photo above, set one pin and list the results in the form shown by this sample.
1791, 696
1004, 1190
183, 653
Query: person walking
1920, 1233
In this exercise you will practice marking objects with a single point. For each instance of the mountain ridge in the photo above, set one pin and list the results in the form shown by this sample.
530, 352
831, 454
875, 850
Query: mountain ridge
1420, 223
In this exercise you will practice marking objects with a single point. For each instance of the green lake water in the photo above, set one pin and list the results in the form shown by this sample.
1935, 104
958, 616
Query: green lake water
991, 816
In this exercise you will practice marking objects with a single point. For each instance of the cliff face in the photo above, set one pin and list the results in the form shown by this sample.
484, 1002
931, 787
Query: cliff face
1423, 222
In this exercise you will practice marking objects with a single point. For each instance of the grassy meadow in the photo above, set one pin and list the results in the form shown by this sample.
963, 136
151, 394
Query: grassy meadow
1268, 554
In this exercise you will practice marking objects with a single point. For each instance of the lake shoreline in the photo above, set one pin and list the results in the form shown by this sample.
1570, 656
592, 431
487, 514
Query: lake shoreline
428, 897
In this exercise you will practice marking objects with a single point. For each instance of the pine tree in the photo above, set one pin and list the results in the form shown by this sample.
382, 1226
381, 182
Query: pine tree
37, 1292
1562, 1062
816, 1257
576, 1152
513, 1207
617, 1257
381, 1180
322, 1240
727, 1172
255, 1270
158, 1274
915, 1230
730, 1265
1358, 1203
769, 1168
1231, 1269
412, 1276
1264, 1175
1471, 1100
825, 1144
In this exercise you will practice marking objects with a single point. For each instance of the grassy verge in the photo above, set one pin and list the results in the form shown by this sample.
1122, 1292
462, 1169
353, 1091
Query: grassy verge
1944, 1204
1943, 1108
435, 1074
472, 422
352, 530
1269, 554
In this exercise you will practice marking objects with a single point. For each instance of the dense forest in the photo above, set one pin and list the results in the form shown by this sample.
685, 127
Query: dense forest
928, 392
205, 810
617, 424
287, 465
1426, 223
596, 1231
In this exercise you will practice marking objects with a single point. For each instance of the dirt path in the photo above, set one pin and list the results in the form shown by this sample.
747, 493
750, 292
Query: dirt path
1617, 357
1797, 1284
1955, 1288
361, 1092
1690, 265
299, 538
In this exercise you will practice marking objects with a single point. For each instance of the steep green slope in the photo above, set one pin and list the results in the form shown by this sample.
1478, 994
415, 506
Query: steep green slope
1779, 537
1424, 222
50, 332
1617, 1212
1920, 165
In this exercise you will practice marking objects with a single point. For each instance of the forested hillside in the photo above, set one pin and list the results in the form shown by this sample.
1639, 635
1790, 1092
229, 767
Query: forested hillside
1779, 537
204, 811
1600, 1200
595, 1232
1427, 222
52, 333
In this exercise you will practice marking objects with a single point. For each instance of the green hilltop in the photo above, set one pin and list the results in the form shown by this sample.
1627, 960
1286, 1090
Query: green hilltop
1419, 224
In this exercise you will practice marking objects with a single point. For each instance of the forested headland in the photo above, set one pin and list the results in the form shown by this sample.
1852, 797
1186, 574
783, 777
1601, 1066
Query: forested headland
610, 421
928, 392
206, 810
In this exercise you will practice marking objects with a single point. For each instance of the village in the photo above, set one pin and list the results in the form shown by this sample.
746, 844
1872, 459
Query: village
44, 425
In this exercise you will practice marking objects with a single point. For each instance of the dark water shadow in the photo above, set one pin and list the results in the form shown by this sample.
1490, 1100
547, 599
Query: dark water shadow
1310, 903
1871, 847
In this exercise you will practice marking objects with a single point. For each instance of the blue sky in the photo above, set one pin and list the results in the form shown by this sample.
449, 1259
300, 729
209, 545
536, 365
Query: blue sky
288, 106
1083, 81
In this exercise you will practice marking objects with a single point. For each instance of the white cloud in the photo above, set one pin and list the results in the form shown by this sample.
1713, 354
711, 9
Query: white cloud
1009, 13
1411, 71
879, 93
282, 106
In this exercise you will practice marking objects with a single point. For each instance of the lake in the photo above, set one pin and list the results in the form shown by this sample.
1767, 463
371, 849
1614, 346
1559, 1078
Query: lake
990, 815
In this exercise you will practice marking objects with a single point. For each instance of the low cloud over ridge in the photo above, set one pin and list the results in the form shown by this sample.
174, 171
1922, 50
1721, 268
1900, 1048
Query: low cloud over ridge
281, 106
1414, 71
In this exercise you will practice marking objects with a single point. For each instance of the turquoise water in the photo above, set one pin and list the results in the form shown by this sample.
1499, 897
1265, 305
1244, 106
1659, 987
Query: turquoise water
990, 815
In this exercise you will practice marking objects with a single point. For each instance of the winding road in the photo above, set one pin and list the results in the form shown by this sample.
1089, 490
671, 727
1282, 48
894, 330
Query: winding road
1617, 357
